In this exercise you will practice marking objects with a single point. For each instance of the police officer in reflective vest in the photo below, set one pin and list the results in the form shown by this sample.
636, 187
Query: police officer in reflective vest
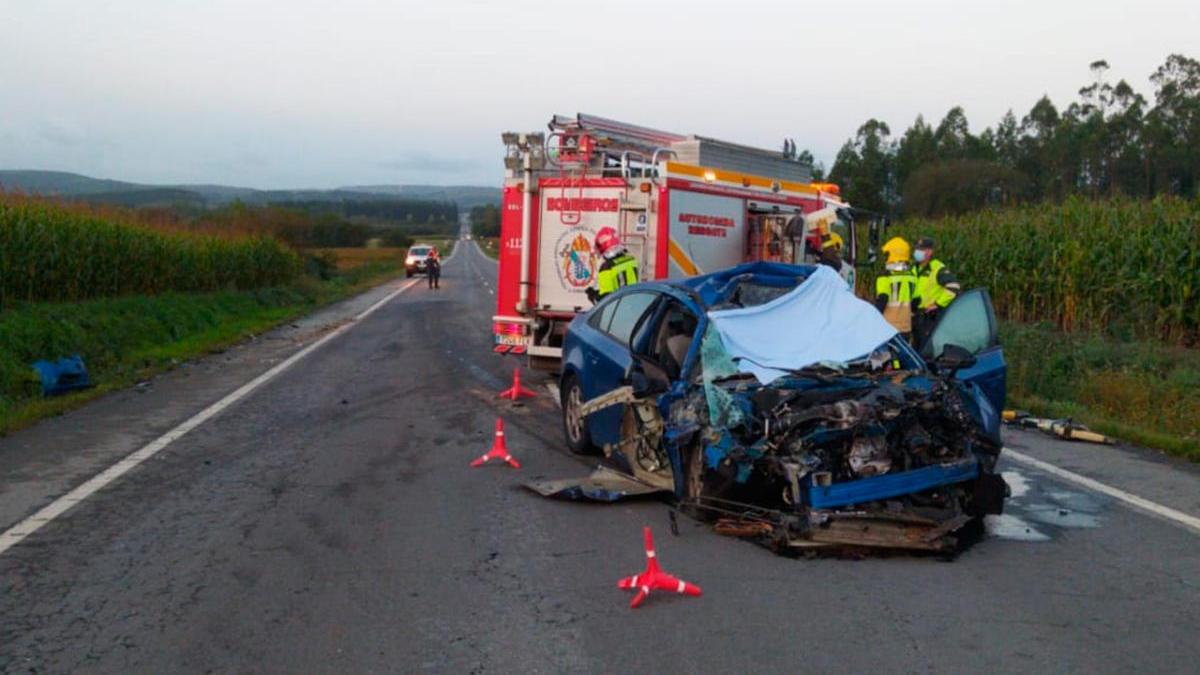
618, 269
895, 290
936, 289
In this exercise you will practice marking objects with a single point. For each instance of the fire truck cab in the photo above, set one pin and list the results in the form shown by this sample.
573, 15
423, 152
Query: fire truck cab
682, 205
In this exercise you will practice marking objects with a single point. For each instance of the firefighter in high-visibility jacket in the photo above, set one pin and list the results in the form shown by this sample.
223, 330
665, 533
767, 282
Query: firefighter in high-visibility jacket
618, 269
936, 289
895, 290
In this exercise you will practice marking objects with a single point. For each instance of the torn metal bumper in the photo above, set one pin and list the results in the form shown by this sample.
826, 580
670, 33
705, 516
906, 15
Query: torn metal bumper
891, 485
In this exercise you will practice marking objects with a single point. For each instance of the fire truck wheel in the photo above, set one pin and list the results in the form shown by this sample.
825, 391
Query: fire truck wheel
574, 427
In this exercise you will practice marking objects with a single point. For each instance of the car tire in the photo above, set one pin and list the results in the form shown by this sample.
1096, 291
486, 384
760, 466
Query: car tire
407, 274
574, 426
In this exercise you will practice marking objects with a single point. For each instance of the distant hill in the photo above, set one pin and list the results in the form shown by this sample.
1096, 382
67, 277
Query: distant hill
466, 196
65, 184
61, 183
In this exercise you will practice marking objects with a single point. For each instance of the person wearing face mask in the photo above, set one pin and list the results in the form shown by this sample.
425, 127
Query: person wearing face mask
894, 290
936, 289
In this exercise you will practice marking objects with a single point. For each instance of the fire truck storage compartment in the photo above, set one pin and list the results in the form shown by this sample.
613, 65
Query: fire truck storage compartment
707, 232
571, 215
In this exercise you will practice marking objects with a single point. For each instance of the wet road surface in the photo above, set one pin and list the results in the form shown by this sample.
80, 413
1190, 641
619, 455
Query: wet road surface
328, 522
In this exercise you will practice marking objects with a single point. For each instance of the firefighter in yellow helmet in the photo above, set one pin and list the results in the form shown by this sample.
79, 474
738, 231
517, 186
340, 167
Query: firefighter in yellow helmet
831, 251
895, 289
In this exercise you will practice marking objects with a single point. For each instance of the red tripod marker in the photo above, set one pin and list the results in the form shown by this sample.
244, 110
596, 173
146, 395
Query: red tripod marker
499, 450
516, 391
654, 578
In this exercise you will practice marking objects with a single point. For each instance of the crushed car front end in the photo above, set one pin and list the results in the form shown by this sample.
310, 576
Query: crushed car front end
887, 455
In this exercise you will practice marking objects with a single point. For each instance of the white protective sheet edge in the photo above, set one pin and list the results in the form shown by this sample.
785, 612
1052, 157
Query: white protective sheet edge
821, 320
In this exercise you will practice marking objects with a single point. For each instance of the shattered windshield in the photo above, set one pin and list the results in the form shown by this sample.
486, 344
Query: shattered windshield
717, 364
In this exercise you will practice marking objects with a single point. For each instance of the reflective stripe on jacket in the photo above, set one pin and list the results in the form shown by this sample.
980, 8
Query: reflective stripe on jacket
899, 287
620, 271
929, 291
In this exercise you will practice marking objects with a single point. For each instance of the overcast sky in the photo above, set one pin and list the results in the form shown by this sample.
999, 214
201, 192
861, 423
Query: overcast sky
295, 93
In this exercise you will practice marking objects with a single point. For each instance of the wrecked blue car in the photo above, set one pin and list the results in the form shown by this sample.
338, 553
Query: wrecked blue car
770, 400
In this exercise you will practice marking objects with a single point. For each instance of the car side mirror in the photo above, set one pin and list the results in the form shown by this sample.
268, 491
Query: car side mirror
953, 359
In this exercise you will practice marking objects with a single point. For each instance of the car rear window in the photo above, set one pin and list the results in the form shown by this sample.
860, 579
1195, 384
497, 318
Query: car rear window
419, 250
602, 314
625, 317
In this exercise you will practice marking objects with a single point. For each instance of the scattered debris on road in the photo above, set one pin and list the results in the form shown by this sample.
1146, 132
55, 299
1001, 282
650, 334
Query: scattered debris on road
603, 485
1064, 428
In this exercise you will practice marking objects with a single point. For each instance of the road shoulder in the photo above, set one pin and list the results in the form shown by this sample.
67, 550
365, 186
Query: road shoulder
44, 461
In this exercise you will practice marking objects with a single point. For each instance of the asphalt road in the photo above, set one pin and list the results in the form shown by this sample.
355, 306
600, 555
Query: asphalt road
328, 522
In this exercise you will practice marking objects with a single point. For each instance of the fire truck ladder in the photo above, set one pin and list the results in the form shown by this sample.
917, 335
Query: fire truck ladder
617, 146
607, 146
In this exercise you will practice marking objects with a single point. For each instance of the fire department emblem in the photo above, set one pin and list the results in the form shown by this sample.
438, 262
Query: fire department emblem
576, 260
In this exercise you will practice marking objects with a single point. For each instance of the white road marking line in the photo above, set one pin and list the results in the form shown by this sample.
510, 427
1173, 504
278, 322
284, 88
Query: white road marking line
1140, 503
452, 253
48, 513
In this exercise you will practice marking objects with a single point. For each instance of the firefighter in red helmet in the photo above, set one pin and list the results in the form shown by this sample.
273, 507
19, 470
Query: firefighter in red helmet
618, 269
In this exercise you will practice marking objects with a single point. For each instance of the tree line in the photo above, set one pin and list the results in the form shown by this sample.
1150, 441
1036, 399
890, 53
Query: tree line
485, 221
408, 211
1112, 141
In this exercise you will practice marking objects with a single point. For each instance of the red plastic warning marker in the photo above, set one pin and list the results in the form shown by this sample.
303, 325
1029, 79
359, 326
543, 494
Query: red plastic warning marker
516, 391
654, 579
499, 450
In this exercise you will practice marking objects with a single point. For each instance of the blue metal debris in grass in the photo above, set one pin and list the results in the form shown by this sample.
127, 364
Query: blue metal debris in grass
62, 376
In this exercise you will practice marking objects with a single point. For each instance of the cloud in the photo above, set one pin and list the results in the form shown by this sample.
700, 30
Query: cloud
422, 161
62, 132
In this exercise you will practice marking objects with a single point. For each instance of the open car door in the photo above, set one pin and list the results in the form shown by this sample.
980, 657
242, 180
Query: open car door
970, 322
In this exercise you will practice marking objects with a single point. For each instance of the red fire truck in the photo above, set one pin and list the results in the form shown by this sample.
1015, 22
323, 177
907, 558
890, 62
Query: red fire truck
682, 204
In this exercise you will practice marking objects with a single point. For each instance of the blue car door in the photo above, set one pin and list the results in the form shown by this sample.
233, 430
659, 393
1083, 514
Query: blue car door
608, 360
970, 323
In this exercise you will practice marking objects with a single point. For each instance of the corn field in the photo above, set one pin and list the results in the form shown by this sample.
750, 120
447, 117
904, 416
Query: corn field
1124, 265
50, 252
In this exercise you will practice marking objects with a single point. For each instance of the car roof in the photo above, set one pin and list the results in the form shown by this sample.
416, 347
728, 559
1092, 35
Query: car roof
712, 288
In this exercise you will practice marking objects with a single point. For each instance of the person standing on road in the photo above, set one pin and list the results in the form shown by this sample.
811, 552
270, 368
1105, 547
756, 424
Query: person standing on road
618, 269
895, 290
433, 269
936, 289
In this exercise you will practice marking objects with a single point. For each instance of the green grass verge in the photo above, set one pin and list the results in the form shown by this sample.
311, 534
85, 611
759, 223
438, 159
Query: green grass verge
1143, 392
124, 340
490, 247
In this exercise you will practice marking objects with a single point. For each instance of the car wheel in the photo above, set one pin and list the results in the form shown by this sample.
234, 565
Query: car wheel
574, 426
407, 274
